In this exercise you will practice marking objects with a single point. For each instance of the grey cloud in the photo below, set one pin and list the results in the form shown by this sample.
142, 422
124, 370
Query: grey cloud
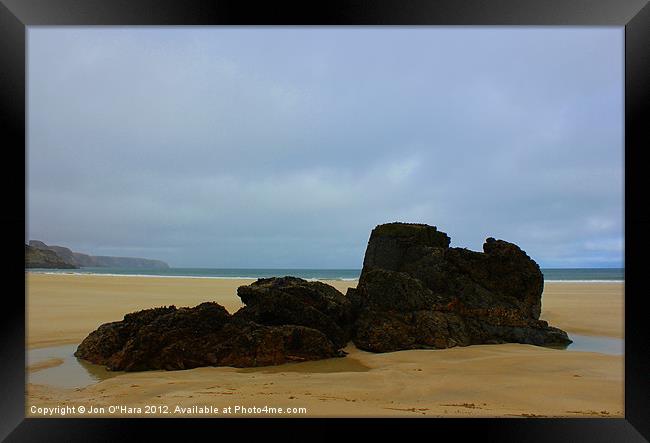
284, 147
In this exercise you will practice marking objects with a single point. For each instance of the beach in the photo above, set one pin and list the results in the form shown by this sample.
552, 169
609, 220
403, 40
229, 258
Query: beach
508, 380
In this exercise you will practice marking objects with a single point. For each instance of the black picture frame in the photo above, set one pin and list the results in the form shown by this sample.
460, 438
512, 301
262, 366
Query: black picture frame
634, 15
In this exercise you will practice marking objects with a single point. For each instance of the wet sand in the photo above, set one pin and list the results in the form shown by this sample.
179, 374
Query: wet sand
488, 380
47, 364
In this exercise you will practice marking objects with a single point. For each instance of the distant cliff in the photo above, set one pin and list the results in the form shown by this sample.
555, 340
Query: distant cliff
64, 258
121, 262
45, 258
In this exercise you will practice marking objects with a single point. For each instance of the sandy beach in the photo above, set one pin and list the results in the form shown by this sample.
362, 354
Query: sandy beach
487, 381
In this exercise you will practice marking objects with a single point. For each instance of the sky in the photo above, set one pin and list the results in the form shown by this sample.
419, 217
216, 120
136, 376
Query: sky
284, 147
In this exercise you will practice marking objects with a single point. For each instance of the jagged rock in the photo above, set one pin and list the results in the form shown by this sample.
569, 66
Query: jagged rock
206, 335
416, 292
110, 338
294, 301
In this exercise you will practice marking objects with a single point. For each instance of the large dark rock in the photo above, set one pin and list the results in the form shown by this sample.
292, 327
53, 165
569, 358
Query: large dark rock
416, 292
206, 335
294, 301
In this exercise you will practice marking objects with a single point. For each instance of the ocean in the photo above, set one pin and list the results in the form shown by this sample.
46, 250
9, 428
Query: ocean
550, 275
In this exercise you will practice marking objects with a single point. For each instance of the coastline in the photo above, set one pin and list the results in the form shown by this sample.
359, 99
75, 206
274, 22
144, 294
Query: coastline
480, 380
305, 273
243, 277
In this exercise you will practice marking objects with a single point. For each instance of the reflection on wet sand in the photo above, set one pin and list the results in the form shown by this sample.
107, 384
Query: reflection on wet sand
57, 366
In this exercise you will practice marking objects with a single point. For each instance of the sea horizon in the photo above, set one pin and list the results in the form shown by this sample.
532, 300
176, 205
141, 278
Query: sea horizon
578, 275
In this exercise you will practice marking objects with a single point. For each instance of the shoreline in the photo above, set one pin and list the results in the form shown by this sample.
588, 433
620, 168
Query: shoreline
177, 276
248, 277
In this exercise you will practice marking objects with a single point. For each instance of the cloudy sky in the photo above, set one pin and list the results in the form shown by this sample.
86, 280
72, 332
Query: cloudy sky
284, 147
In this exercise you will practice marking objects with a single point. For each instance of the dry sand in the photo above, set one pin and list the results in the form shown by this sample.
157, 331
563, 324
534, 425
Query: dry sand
489, 380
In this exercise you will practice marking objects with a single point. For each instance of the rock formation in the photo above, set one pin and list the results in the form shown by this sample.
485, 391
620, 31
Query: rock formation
416, 292
294, 301
286, 320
